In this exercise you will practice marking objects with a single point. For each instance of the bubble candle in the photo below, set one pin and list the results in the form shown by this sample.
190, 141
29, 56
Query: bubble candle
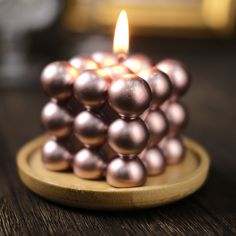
121, 103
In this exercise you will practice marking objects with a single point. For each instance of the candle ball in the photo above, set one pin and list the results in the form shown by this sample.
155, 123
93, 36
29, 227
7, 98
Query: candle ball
55, 157
90, 129
178, 75
157, 125
129, 96
154, 160
91, 87
56, 120
104, 59
128, 137
83, 63
137, 63
159, 83
89, 164
173, 150
126, 173
116, 71
177, 116
57, 79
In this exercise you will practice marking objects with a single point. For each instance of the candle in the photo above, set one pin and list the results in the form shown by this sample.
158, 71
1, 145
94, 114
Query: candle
125, 114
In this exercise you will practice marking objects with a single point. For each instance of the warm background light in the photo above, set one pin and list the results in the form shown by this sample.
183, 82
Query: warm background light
121, 37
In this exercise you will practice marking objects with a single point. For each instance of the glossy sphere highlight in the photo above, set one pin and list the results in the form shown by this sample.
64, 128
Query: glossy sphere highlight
126, 173
137, 63
173, 150
90, 88
157, 125
104, 59
129, 96
83, 63
159, 83
177, 73
56, 120
154, 160
89, 164
116, 71
90, 129
128, 137
57, 79
55, 157
177, 116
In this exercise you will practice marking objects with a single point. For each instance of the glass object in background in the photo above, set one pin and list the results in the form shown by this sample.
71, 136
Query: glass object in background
17, 18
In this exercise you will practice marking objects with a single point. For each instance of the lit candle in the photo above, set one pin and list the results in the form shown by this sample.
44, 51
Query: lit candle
121, 36
143, 101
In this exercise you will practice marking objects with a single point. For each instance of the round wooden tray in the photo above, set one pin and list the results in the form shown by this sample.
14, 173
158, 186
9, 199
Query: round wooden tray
177, 182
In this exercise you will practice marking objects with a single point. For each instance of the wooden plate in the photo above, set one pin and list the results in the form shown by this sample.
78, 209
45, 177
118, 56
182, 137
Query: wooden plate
175, 183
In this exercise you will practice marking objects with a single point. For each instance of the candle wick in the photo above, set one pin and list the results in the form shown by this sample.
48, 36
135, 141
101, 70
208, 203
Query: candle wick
121, 57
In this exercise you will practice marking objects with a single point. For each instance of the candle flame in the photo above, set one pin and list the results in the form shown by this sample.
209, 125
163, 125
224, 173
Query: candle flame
121, 37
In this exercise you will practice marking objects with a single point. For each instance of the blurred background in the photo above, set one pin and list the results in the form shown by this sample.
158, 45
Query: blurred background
201, 33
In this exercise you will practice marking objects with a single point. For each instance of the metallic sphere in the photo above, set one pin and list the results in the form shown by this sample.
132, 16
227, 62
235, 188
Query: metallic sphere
90, 129
55, 157
91, 87
154, 160
126, 173
159, 83
116, 71
128, 137
177, 116
89, 164
56, 120
177, 74
137, 63
57, 79
83, 63
173, 150
104, 59
129, 96
157, 125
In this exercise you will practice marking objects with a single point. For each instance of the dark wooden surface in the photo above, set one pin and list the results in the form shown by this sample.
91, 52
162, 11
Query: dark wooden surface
212, 105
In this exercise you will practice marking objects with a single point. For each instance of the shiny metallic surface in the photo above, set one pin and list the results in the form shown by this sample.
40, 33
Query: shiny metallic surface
83, 63
57, 79
126, 173
177, 116
159, 83
137, 63
116, 71
178, 75
157, 125
154, 160
89, 164
91, 87
104, 59
129, 96
56, 120
173, 150
90, 129
128, 137
55, 157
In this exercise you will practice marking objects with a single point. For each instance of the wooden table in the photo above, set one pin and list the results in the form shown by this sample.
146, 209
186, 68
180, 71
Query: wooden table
210, 211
